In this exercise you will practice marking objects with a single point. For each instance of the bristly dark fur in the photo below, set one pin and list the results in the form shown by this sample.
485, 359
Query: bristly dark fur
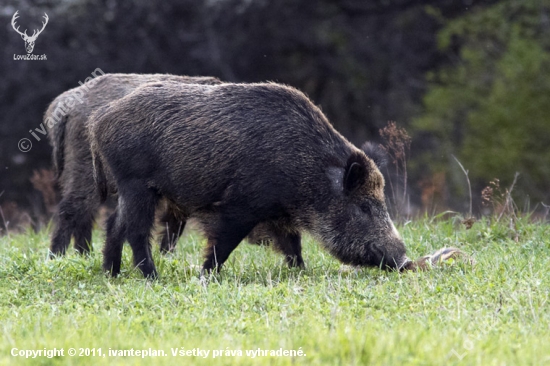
72, 158
236, 156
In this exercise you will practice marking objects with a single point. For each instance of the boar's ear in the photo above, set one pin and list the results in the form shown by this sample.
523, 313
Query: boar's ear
355, 173
377, 153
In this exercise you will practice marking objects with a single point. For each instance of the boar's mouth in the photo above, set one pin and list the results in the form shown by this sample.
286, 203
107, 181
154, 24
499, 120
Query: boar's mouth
375, 252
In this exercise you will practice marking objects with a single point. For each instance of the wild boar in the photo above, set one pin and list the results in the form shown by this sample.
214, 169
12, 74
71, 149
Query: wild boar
66, 119
236, 156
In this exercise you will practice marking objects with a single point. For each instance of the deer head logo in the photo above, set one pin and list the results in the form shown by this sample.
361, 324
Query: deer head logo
29, 41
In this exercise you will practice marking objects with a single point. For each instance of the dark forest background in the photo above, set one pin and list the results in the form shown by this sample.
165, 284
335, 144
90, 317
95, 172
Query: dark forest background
465, 78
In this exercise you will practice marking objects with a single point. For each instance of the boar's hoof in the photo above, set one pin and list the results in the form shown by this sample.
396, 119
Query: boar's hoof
295, 262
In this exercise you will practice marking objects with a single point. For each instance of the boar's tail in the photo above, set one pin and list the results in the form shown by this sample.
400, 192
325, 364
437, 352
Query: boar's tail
58, 143
99, 176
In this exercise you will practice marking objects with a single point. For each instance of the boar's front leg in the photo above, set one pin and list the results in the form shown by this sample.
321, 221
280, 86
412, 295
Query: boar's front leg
288, 242
224, 234
173, 222
290, 245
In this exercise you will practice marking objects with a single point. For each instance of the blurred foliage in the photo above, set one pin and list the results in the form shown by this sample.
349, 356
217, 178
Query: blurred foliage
490, 105
475, 73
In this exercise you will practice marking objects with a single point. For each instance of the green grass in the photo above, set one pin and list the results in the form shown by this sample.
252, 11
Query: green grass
493, 313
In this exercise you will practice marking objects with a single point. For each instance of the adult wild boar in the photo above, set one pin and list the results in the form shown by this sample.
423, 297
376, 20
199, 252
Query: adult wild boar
66, 119
235, 156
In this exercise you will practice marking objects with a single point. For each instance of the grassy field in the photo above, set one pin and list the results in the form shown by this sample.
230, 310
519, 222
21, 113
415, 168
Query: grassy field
495, 312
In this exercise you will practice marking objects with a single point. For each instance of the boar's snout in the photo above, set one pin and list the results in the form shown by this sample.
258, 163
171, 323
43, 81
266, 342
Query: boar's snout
383, 243
391, 254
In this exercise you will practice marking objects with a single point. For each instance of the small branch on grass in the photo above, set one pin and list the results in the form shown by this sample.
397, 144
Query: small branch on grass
469, 186
508, 203
3, 217
546, 210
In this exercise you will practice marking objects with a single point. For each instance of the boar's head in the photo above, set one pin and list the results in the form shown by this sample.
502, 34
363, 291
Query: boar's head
356, 226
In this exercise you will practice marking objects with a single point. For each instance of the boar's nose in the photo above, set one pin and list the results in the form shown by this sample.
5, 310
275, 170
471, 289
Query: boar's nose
394, 256
400, 263
407, 265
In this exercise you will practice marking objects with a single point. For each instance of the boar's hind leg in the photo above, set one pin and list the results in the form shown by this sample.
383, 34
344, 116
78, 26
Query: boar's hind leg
83, 233
173, 223
85, 206
132, 220
63, 230
74, 217
223, 237
112, 252
138, 205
